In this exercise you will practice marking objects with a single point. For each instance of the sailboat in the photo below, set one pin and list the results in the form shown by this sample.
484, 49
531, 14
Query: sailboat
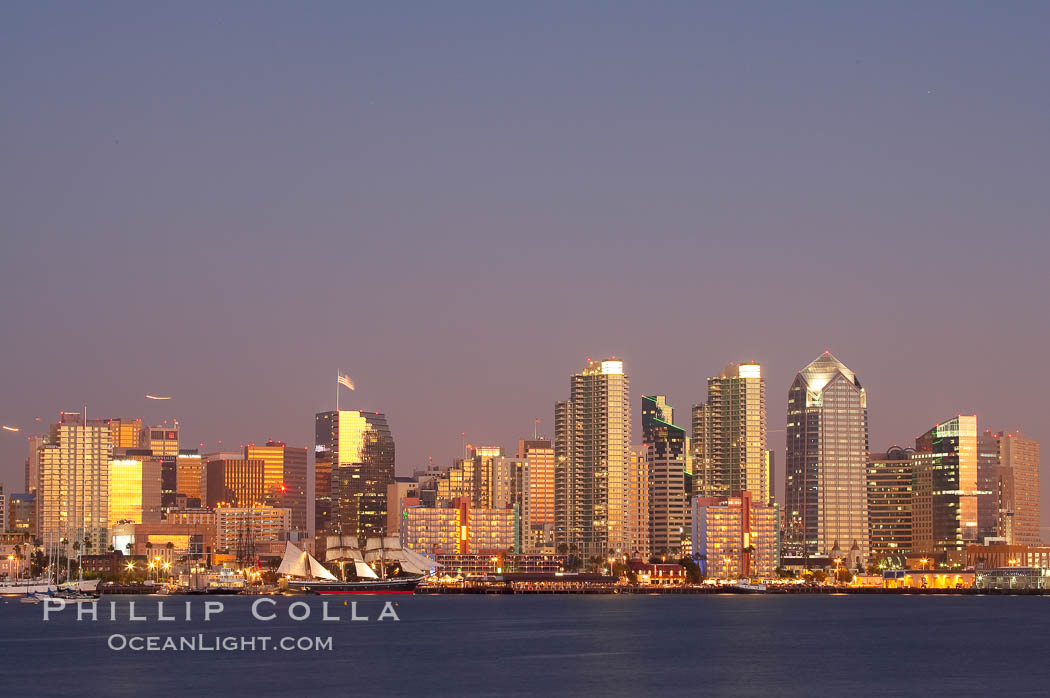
304, 573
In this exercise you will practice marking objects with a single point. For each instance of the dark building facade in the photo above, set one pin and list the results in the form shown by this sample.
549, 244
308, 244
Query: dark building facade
890, 493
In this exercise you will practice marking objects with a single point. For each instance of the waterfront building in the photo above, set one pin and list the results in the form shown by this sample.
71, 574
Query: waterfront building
459, 528
890, 492
1007, 555
826, 497
235, 482
660, 574
729, 453
945, 505
664, 445
357, 449
21, 513
192, 537
592, 459
1014, 578
73, 488
247, 531
284, 477
1019, 458
736, 537
537, 500
134, 488
499, 562
928, 579
125, 432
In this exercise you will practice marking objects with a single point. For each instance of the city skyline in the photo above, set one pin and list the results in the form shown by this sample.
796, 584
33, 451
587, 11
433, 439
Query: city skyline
784, 180
402, 469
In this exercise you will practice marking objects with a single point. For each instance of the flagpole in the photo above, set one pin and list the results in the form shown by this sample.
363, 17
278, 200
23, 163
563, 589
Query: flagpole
337, 390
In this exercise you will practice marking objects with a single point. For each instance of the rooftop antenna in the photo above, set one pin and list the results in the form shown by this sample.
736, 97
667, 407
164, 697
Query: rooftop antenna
535, 427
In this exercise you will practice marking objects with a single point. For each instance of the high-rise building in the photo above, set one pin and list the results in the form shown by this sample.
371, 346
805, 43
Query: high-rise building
664, 445
637, 526
284, 477
890, 504
358, 450
33, 463
1019, 462
729, 451
944, 514
736, 537
134, 489
163, 440
826, 496
537, 495
592, 455
989, 486
73, 491
237, 482
189, 474
125, 432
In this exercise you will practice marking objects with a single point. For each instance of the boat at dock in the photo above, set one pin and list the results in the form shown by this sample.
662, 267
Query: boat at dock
23, 587
305, 574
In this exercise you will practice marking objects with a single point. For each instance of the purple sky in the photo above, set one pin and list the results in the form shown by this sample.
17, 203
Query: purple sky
459, 204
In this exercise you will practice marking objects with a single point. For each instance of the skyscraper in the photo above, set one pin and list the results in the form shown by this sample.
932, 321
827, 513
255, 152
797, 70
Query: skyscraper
665, 457
73, 491
945, 509
890, 492
537, 494
1019, 463
989, 485
827, 455
284, 475
358, 450
729, 451
592, 454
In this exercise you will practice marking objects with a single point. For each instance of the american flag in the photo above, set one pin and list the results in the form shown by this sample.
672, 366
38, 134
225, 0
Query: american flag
344, 379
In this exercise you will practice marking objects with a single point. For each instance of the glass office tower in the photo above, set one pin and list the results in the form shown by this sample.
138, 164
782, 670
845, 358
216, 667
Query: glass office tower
356, 452
827, 457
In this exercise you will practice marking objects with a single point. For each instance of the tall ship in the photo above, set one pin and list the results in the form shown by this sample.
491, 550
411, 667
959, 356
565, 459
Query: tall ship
305, 574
